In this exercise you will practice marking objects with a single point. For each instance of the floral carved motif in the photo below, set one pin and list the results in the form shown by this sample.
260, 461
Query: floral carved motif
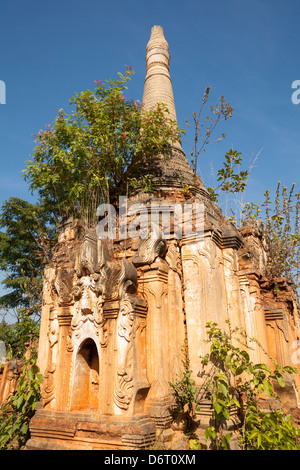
124, 380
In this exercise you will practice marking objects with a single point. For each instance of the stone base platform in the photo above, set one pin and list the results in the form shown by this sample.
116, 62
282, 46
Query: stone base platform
57, 430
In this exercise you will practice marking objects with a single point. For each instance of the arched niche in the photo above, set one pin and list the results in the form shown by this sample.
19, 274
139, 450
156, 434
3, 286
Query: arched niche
85, 394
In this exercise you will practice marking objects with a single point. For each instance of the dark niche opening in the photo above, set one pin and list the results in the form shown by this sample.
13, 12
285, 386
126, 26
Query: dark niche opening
86, 377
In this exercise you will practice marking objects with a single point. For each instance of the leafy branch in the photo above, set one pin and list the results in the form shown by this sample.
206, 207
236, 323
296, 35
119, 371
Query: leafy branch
204, 126
185, 391
234, 380
19, 408
231, 180
281, 216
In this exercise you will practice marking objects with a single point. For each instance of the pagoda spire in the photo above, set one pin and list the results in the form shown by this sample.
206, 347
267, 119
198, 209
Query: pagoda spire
158, 83
175, 171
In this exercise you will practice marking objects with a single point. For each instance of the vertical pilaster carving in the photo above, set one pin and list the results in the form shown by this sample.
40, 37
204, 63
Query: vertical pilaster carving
176, 330
154, 282
130, 378
55, 386
253, 313
48, 386
124, 381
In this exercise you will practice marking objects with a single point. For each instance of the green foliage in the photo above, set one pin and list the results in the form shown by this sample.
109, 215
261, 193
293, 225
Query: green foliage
233, 379
280, 215
231, 181
16, 336
98, 151
270, 430
195, 444
184, 389
28, 236
282, 226
251, 210
19, 408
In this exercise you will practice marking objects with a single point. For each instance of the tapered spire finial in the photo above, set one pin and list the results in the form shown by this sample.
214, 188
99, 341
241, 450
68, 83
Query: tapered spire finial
158, 84
175, 171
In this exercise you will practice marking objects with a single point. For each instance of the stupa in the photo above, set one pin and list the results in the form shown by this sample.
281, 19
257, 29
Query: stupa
116, 313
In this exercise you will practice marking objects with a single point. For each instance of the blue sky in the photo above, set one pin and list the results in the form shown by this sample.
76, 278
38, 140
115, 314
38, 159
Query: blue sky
247, 51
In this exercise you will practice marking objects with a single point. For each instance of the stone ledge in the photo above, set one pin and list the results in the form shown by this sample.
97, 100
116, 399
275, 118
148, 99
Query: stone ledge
56, 430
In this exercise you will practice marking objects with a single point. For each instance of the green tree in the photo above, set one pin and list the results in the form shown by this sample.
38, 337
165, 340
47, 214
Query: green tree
18, 335
98, 151
19, 408
26, 241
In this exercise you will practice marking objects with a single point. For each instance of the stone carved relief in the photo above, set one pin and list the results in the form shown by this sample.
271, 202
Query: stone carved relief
87, 259
128, 324
151, 248
9, 377
63, 283
88, 308
113, 279
278, 318
109, 278
101, 279
173, 258
48, 384
80, 292
124, 380
88, 294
